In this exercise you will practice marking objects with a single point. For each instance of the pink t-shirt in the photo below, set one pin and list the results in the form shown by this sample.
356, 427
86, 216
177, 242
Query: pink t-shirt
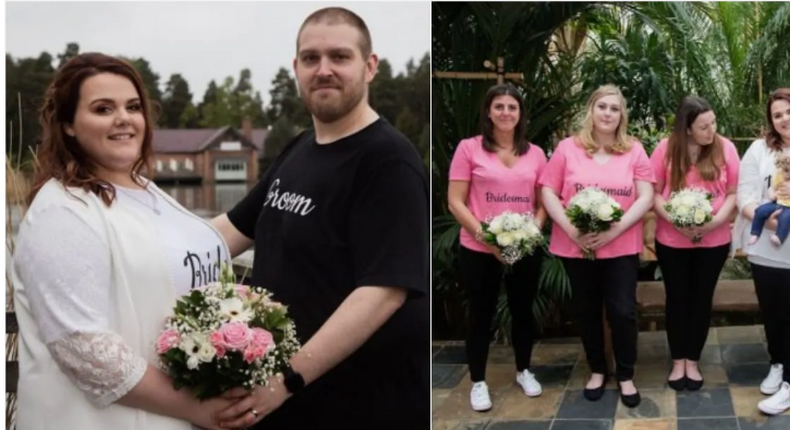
570, 169
666, 233
493, 187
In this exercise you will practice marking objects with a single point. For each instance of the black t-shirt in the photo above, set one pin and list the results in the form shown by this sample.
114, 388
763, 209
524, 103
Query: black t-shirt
327, 219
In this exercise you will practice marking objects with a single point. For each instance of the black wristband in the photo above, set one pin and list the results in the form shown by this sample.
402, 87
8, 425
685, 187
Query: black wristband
293, 381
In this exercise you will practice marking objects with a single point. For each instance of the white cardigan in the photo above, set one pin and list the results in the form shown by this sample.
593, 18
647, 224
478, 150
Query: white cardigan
142, 296
757, 165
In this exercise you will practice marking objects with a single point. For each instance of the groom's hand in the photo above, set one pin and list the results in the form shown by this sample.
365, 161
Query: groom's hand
253, 406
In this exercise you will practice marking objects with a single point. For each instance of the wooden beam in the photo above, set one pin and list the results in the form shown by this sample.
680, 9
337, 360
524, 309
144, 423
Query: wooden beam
477, 75
497, 73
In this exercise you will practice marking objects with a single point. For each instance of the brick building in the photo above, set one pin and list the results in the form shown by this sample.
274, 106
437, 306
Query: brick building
224, 154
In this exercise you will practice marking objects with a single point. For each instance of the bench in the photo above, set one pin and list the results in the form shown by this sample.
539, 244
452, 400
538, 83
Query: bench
729, 296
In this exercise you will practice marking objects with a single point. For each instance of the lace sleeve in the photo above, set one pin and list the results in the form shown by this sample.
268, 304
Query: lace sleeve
101, 365
64, 266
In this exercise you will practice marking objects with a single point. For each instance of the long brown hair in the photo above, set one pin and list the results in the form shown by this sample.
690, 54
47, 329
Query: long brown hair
772, 137
520, 144
60, 155
711, 157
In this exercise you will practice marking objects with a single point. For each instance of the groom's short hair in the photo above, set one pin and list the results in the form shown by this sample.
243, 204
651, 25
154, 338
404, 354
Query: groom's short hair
339, 15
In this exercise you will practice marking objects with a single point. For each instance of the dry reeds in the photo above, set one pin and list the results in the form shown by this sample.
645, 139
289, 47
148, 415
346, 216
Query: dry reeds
17, 185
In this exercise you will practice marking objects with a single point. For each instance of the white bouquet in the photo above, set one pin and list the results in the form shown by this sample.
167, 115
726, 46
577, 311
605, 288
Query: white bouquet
515, 234
593, 211
690, 207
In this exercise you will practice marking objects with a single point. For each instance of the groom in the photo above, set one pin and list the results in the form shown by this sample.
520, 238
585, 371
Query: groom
340, 225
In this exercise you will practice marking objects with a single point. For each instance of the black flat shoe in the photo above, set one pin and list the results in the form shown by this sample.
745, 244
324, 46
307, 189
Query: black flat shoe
595, 394
693, 385
631, 400
678, 384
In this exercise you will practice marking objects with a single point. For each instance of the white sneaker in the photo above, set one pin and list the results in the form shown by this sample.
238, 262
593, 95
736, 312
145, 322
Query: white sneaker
481, 401
778, 403
773, 381
528, 382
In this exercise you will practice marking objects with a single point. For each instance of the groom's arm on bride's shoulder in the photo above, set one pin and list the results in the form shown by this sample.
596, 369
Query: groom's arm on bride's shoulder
390, 237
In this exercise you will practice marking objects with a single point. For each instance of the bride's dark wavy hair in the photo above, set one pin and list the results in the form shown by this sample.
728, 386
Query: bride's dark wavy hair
59, 155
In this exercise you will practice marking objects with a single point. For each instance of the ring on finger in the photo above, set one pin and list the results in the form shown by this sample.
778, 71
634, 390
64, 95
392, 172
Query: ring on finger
254, 413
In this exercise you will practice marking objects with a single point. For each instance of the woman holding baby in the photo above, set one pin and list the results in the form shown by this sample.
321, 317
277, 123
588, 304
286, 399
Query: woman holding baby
769, 258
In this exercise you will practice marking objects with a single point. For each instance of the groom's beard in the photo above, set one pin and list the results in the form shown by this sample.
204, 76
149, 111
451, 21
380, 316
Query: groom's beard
329, 108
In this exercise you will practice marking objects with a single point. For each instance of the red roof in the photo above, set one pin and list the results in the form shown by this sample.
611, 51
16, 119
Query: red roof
196, 140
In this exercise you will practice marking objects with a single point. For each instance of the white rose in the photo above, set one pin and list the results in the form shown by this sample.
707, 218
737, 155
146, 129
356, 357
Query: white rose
512, 221
605, 212
533, 230
682, 210
520, 235
699, 216
504, 239
495, 226
207, 352
584, 204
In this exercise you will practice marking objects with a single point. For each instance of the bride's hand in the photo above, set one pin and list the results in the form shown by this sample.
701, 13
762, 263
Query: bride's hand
205, 414
254, 405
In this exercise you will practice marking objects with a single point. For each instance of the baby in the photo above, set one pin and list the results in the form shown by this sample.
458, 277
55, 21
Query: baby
763, 212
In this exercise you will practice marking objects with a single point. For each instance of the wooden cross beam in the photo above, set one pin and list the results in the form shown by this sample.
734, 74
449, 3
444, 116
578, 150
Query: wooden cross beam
498, 73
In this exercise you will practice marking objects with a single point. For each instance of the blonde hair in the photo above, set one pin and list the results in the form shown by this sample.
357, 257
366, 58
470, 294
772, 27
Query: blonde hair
585, 139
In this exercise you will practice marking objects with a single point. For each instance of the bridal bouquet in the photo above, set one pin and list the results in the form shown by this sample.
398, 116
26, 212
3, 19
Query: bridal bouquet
593, 211
225, 335
516, 235
690, 207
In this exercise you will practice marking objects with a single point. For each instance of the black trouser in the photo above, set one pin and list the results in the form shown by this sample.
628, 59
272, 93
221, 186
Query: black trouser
773, 293
690, 277
481, 276
612, 283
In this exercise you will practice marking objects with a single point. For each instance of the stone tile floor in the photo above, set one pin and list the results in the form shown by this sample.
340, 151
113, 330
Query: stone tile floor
734, 363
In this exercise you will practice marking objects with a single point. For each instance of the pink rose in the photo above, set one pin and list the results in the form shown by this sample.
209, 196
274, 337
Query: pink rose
217, 341
262, 338
253, 352
243, 291
167, 340
235, 336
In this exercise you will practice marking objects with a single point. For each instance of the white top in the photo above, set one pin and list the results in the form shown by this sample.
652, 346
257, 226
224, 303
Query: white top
92, 287
757, 167
193, 250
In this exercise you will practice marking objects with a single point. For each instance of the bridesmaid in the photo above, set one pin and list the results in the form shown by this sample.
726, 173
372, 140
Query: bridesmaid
691, 259
491, 173
602, 155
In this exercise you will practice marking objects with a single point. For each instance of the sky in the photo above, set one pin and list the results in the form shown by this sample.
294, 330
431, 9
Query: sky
206, 40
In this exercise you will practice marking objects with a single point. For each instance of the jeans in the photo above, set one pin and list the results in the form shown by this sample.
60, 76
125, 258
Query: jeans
763, 212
